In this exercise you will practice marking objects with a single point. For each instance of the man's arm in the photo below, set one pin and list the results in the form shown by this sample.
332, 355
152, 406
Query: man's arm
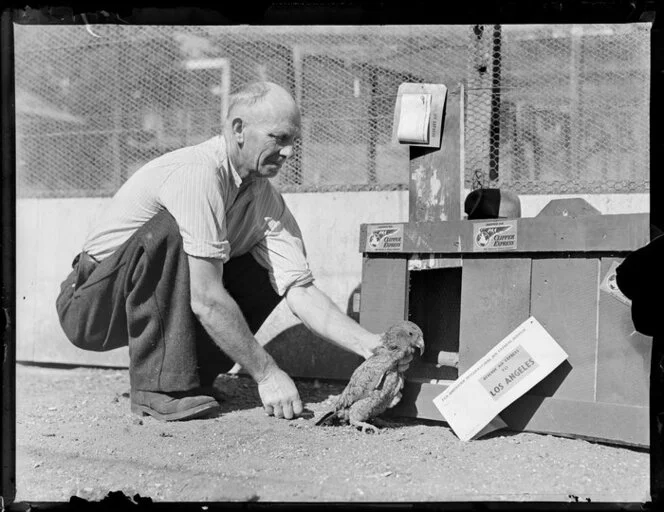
322, 316
222, 318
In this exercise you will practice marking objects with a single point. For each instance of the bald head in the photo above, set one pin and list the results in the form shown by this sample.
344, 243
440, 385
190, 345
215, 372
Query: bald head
259, 100
262, 124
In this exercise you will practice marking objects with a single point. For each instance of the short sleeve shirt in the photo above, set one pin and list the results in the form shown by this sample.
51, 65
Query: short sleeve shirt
217, 217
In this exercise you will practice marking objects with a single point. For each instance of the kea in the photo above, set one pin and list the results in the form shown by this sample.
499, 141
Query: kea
376, 384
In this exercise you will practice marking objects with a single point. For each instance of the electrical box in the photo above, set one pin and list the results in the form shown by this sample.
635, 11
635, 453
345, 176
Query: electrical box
419, 114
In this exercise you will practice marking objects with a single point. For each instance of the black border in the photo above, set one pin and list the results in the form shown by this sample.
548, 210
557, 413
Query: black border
261, 12
7, 289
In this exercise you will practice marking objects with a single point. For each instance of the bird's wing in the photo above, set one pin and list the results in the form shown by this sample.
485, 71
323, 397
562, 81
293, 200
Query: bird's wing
368, 377
379, 400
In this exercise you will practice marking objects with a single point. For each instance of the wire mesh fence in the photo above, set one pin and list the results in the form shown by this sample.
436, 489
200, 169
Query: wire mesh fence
548, 109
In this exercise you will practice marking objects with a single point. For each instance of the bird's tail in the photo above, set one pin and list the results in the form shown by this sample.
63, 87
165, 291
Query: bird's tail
325, 418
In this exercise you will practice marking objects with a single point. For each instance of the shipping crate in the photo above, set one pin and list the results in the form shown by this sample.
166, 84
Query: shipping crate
468, 284
466, 300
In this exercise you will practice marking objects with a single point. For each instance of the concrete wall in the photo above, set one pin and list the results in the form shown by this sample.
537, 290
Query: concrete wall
50, 232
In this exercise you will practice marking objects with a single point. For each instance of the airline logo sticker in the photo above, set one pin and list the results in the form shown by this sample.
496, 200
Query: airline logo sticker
610, 286
497, 235
385, 237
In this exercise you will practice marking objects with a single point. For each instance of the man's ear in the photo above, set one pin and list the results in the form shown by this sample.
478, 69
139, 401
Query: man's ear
238, 129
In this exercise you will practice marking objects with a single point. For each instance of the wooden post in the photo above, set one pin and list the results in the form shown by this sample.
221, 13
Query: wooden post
384, 292
436, 175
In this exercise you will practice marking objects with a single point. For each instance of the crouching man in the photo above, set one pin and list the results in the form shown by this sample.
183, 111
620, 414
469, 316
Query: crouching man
190, 257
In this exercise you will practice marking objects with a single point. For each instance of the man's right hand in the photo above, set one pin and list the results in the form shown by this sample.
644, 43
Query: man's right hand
279, 395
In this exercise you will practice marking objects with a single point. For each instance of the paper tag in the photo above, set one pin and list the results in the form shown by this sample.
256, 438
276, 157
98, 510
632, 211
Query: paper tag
508, 371
610, 286
432, 261
497, 235
414, 118
385, 237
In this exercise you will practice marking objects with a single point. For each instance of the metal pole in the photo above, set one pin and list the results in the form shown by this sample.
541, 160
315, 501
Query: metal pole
494, 132
119, 172
224, 66
574, 114
373, 126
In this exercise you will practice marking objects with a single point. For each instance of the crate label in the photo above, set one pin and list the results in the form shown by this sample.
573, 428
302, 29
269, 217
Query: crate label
610, 286
385, 237
497, 235
508, 371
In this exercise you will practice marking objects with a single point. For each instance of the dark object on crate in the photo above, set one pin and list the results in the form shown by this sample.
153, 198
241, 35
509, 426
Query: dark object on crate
492, 203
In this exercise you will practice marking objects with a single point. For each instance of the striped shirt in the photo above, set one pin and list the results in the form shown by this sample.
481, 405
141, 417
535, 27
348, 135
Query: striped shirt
217, 218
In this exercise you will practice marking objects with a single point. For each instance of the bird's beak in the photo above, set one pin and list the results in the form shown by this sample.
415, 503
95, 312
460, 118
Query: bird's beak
420, 344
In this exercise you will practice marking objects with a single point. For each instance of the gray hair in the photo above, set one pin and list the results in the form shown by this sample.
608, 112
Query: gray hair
248, 95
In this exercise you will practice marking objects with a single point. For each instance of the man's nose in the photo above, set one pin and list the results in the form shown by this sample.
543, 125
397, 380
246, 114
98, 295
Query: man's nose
287, 151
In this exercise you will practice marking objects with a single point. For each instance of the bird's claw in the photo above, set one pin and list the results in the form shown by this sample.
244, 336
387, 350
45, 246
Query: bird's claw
366, 428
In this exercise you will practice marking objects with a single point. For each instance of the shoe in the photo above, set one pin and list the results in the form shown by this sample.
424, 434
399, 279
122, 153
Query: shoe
175, 406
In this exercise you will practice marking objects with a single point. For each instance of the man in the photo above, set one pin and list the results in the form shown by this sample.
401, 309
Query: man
190, 257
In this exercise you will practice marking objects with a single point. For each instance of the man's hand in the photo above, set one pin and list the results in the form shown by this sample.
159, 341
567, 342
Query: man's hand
279, 395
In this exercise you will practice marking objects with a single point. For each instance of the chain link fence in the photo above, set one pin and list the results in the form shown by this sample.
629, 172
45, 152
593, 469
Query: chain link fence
548, 109
559, 109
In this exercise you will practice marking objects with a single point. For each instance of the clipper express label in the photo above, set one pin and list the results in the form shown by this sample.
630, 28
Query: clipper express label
385, 237
494, 236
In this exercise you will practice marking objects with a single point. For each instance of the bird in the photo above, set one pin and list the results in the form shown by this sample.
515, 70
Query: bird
376, 384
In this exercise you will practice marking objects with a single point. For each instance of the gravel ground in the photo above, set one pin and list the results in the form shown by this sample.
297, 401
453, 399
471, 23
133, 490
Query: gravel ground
77, 437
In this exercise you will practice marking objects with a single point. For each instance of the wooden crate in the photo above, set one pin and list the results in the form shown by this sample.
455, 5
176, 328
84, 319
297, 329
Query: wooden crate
468, 300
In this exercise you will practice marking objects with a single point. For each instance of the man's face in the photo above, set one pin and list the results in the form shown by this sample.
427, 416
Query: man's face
269, 142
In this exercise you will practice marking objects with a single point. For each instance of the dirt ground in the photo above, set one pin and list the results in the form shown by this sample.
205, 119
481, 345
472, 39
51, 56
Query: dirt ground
77, 437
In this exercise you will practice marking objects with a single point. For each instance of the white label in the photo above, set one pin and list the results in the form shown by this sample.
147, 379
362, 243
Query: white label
497, 235
508, 371
385, 237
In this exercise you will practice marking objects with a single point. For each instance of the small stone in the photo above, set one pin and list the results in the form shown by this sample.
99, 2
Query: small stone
137, 421
37, 464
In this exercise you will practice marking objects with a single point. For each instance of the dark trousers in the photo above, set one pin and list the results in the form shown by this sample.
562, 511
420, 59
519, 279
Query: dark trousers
139, 296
